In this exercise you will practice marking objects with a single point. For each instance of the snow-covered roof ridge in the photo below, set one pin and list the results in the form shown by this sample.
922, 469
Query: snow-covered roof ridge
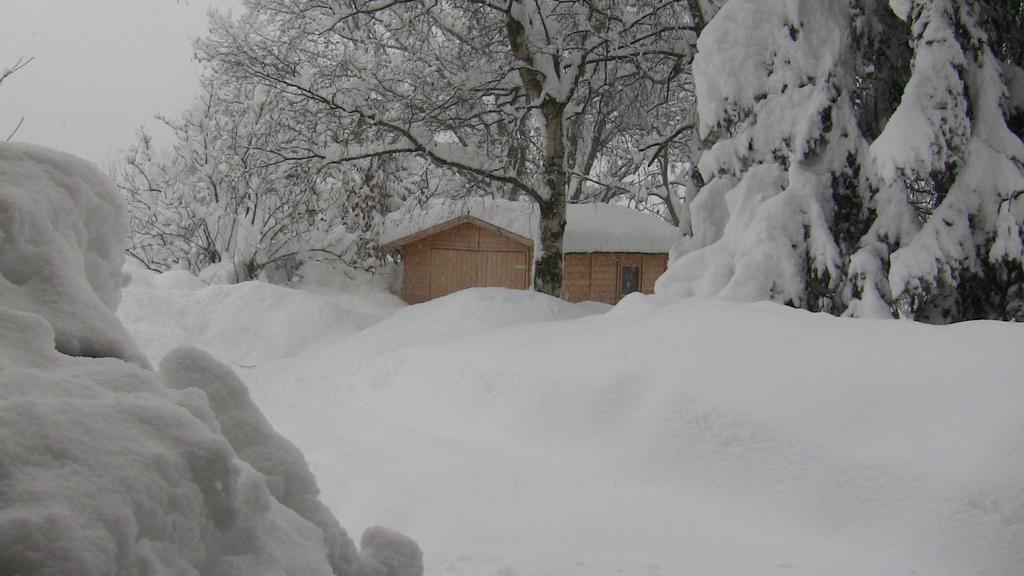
589, 227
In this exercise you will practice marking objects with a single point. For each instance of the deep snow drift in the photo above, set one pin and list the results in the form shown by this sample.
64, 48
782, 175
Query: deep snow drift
244, 323
516, 434
108, 467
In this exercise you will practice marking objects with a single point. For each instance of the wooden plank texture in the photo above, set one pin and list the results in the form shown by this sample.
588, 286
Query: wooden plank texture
576, 282
415, 273
654, 266
452, 270
503, 269
465, 255
604, 277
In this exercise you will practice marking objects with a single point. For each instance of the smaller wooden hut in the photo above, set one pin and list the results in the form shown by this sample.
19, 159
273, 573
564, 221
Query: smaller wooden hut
609, 251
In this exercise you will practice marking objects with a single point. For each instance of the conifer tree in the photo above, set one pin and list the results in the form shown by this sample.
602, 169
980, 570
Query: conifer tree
866, 160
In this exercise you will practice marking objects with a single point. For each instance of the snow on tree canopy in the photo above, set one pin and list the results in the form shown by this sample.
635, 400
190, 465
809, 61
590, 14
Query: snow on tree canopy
589, 227
106, 466
761, 228
848, 178
950, 138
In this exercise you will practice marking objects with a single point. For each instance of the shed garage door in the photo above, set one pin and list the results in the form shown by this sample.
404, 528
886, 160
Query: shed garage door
454, 270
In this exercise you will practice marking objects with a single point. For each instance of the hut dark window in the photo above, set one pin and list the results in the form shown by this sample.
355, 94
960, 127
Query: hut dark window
630, 279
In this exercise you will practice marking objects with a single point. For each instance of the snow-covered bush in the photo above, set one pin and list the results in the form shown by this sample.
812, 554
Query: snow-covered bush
823, 194
238, 188
107, 467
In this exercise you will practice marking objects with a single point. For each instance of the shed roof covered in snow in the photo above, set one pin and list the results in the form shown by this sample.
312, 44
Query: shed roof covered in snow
590, 228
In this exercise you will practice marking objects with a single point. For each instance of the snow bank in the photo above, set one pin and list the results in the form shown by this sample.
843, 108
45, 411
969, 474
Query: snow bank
589, 227
473, 311
391, 553
255, 441
222, 318
103, 470
107, 467
700, 437
63, 229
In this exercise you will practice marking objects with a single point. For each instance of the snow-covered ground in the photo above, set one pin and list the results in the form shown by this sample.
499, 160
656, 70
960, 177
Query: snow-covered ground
512, 434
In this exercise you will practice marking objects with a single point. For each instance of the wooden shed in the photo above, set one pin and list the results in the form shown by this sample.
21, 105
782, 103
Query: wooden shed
464, 252
610, 251
609, 276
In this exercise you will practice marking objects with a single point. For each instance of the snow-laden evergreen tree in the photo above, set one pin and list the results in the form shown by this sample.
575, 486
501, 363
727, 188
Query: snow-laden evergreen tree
949, 145
823, 194
786, 201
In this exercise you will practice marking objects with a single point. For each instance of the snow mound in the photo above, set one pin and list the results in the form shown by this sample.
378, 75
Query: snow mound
107, 467
588, 227
62, 238
664, 438
255, 441
222, 318
473, 311
103, 470
180, 280
391, 553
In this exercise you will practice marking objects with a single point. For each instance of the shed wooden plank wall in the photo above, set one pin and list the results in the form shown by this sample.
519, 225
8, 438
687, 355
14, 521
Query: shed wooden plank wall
470, 255
597, 277
576, 278
604, 278
473, 256
503, 268
416, 273
452, 270
654, 265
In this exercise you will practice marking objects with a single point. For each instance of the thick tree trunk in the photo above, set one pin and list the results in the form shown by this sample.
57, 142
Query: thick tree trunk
548, 276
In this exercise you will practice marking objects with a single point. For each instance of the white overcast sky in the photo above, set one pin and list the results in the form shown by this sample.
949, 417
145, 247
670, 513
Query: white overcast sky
102, 68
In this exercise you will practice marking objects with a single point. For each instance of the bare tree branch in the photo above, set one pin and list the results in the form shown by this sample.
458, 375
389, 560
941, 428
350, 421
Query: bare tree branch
15, 131
6, 73
18, 65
